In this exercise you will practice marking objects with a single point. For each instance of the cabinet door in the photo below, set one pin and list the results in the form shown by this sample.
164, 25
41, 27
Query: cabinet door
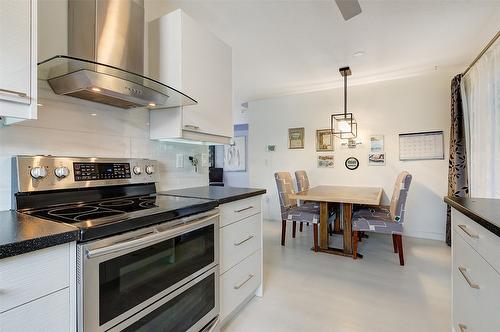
15, 51
207, 77
49, 313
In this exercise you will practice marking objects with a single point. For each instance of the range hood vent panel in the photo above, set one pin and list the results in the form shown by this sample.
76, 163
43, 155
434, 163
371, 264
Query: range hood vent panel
108, 85
105, 63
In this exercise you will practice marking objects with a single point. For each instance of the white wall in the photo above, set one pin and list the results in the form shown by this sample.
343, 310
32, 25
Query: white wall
72, 127
387, 108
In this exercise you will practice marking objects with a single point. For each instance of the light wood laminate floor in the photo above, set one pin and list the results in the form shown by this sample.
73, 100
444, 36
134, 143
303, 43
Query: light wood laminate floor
307, 291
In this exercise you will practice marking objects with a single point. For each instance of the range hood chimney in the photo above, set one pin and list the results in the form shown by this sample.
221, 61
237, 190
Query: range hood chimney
106, 58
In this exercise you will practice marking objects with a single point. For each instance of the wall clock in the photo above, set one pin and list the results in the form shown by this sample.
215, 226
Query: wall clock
351, 163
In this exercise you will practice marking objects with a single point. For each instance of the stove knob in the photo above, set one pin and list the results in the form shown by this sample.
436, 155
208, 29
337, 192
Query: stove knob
38, 172
61, 172
150, 169
137, 170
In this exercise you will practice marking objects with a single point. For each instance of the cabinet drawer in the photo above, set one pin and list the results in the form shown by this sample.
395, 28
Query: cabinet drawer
237, 210
239, 240
476, 289
239, 283
49, 313
482, 240
30, 276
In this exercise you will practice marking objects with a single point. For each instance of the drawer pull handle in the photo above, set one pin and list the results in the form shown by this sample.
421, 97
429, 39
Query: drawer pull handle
467, 278
16, 93
244, 209
466, 231
192, 127
245, 240
462, 327
250, 276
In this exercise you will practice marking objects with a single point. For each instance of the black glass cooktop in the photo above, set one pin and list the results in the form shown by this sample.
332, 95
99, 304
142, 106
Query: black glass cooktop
95, 210
113, 216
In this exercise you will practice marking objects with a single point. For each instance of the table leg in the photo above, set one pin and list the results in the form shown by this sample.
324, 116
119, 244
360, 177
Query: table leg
336, 225
323, 225
347, 213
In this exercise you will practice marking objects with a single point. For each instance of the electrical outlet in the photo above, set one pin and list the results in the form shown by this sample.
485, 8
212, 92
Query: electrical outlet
179, 160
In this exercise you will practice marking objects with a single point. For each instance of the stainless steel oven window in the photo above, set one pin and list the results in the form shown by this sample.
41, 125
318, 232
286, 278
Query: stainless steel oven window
189, 308
124, 274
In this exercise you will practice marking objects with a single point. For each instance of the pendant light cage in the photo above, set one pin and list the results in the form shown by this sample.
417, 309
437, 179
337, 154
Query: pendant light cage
343, 125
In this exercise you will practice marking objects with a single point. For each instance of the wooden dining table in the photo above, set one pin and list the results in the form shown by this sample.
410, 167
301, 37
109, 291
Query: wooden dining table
345, 196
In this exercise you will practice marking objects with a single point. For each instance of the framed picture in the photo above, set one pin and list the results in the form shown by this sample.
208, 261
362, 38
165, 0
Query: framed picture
351, 163
376, 159
377, 143
235, 155
324, 140
296, 138
326, 161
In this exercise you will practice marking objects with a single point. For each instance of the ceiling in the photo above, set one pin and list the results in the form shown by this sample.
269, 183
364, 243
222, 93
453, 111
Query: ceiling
283, 47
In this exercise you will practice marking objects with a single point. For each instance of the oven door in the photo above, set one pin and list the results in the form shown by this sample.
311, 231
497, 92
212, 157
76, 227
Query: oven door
193, 307
122, 275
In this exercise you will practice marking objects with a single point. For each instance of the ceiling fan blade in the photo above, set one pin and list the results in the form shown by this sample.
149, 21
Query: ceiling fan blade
348, 8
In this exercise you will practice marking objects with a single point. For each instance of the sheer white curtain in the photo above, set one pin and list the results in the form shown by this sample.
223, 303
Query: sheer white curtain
481, 102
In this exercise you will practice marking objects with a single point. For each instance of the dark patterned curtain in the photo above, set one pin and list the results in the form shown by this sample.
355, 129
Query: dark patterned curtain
458, 184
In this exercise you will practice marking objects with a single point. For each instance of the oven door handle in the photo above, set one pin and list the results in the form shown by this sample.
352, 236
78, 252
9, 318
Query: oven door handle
149, 238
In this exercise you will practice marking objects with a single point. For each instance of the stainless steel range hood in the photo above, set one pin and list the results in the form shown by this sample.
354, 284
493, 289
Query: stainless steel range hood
106, 58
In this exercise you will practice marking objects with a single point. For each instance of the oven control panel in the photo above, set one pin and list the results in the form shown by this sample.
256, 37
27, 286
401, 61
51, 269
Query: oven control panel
37, 173
101, 171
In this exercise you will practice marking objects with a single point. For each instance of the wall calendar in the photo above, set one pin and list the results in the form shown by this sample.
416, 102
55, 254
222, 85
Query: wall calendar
421, 146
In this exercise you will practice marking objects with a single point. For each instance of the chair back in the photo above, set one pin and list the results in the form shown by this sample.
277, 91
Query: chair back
285, 188
398, 200
302, 180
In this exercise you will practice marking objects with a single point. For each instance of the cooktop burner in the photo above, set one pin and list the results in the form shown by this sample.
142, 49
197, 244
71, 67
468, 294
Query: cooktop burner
96, 210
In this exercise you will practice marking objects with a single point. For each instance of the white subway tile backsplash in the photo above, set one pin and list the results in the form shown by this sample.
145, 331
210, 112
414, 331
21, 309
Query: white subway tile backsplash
66, 126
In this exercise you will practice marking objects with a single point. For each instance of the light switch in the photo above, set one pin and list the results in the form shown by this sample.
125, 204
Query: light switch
179, 160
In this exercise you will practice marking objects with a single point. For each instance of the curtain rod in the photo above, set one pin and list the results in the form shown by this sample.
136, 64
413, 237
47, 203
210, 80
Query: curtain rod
482, 52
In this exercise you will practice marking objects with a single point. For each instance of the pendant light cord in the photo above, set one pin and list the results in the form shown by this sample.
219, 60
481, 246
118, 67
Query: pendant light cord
345, 96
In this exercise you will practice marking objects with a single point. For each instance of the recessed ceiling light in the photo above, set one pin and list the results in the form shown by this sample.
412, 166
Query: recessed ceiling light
96, 89
151, 104
358, 54
93, 114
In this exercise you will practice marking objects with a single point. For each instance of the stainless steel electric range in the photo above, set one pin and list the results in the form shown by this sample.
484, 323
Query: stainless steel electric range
144, 262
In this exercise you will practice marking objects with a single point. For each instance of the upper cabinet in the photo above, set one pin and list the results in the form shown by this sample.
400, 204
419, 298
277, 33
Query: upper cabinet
18, 60
188, 57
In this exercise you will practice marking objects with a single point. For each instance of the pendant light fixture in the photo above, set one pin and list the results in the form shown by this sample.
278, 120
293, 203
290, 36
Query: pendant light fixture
343, 125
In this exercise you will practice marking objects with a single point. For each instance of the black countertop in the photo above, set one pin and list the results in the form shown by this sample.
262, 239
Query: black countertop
20, 233
221, 194
484, 211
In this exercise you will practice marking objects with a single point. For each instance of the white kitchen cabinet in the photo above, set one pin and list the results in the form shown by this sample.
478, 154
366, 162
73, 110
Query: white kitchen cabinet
40, 285
49, 313
475, 280
18, 60
241, 263
188, 57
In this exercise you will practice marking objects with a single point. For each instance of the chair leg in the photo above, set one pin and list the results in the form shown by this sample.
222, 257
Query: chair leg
294, 228
355, 245
395, 243
400, 250
315, 235
300, 227
283, 232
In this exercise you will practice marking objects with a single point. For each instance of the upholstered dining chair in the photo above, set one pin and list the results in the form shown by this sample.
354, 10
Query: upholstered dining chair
303, 184
386, 220
290, 211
